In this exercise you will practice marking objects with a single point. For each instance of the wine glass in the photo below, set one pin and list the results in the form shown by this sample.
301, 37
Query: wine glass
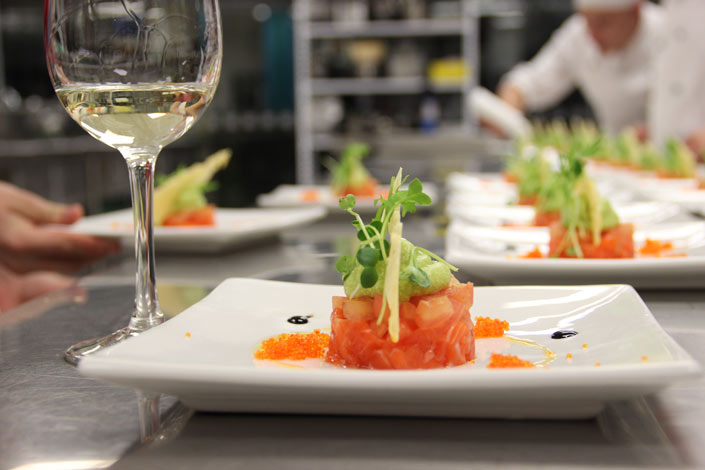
136, 75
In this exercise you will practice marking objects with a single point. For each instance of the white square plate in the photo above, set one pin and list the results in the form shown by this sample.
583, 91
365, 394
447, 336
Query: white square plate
490, 189
493, 253
689, 199
295, 195
233, 227
204, 356
649, 212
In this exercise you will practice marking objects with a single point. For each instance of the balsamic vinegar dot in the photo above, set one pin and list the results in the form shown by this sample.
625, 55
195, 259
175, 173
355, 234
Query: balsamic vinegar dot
299, 319
560, 334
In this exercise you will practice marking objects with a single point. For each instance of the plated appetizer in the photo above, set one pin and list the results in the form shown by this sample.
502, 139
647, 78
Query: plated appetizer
349, 175
179, 199
678, 162
604, 346
551, 198
532, 171
588, 226
628, 151
625, 151
555, 134
403, 308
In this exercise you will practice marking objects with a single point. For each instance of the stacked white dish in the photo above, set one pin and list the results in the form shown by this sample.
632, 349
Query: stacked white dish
490, 235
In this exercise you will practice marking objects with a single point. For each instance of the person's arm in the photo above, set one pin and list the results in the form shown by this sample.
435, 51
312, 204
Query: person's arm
548, 78
512, 95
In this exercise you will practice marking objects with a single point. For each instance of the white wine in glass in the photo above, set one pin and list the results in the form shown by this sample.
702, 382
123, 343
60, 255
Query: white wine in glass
136, 75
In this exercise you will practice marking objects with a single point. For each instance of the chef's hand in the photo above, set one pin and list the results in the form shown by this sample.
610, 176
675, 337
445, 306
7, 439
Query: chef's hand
16, 289
512, 95
496, 130
27, 246
696, 142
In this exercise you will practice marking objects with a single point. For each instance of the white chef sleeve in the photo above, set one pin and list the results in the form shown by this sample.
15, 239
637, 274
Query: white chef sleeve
548, 78
677, 100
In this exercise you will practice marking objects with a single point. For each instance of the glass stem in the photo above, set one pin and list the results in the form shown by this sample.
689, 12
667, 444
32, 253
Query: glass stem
148, 410
147, 313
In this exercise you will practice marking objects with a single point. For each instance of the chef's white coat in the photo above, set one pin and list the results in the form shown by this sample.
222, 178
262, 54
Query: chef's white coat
677, 103
615, 84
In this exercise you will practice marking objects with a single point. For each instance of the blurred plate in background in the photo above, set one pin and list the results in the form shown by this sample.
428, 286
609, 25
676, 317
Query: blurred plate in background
628, 212
494, 253
233, 227
291, 195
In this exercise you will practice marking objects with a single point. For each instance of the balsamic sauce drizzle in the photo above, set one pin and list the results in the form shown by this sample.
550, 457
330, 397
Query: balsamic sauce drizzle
560, 334
299, 319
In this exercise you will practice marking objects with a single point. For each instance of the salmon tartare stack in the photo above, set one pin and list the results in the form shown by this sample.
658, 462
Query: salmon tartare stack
403, 308
349, 176
180, 198
588, 226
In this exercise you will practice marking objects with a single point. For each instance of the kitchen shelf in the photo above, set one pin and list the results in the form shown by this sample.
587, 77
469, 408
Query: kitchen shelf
395, 28
378, 86
78, 146
327, 141
28, 148
464, 29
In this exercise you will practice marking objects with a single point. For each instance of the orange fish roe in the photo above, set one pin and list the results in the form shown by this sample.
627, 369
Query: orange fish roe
654, 247
644, 358
584, 345
535, 253
310, 195
188, 334
486, 327
120, 227
502, 361
597, 364
569, 356
296, 346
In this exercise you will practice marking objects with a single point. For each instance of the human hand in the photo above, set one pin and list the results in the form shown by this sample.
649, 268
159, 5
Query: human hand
512, 95
16, 289
26, 246
494, 129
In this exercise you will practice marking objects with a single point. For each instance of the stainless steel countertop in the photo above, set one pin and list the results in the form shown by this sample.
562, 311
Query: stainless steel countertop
50, 415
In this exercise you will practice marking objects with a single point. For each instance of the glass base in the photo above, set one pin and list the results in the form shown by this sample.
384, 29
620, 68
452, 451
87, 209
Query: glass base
75, 353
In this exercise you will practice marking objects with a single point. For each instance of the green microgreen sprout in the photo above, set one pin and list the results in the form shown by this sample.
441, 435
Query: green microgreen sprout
345, 265
373, 244
368, 257
416, 274
349, 169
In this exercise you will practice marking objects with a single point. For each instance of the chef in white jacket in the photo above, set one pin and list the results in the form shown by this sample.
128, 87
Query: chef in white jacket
606, 50
677, 102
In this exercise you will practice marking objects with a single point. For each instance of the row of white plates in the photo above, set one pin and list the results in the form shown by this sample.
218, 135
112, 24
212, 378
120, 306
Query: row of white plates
488, 234
685, 192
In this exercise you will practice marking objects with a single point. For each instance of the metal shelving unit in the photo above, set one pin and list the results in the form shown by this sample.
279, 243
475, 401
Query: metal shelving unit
377, 86
465, 28
390, 29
